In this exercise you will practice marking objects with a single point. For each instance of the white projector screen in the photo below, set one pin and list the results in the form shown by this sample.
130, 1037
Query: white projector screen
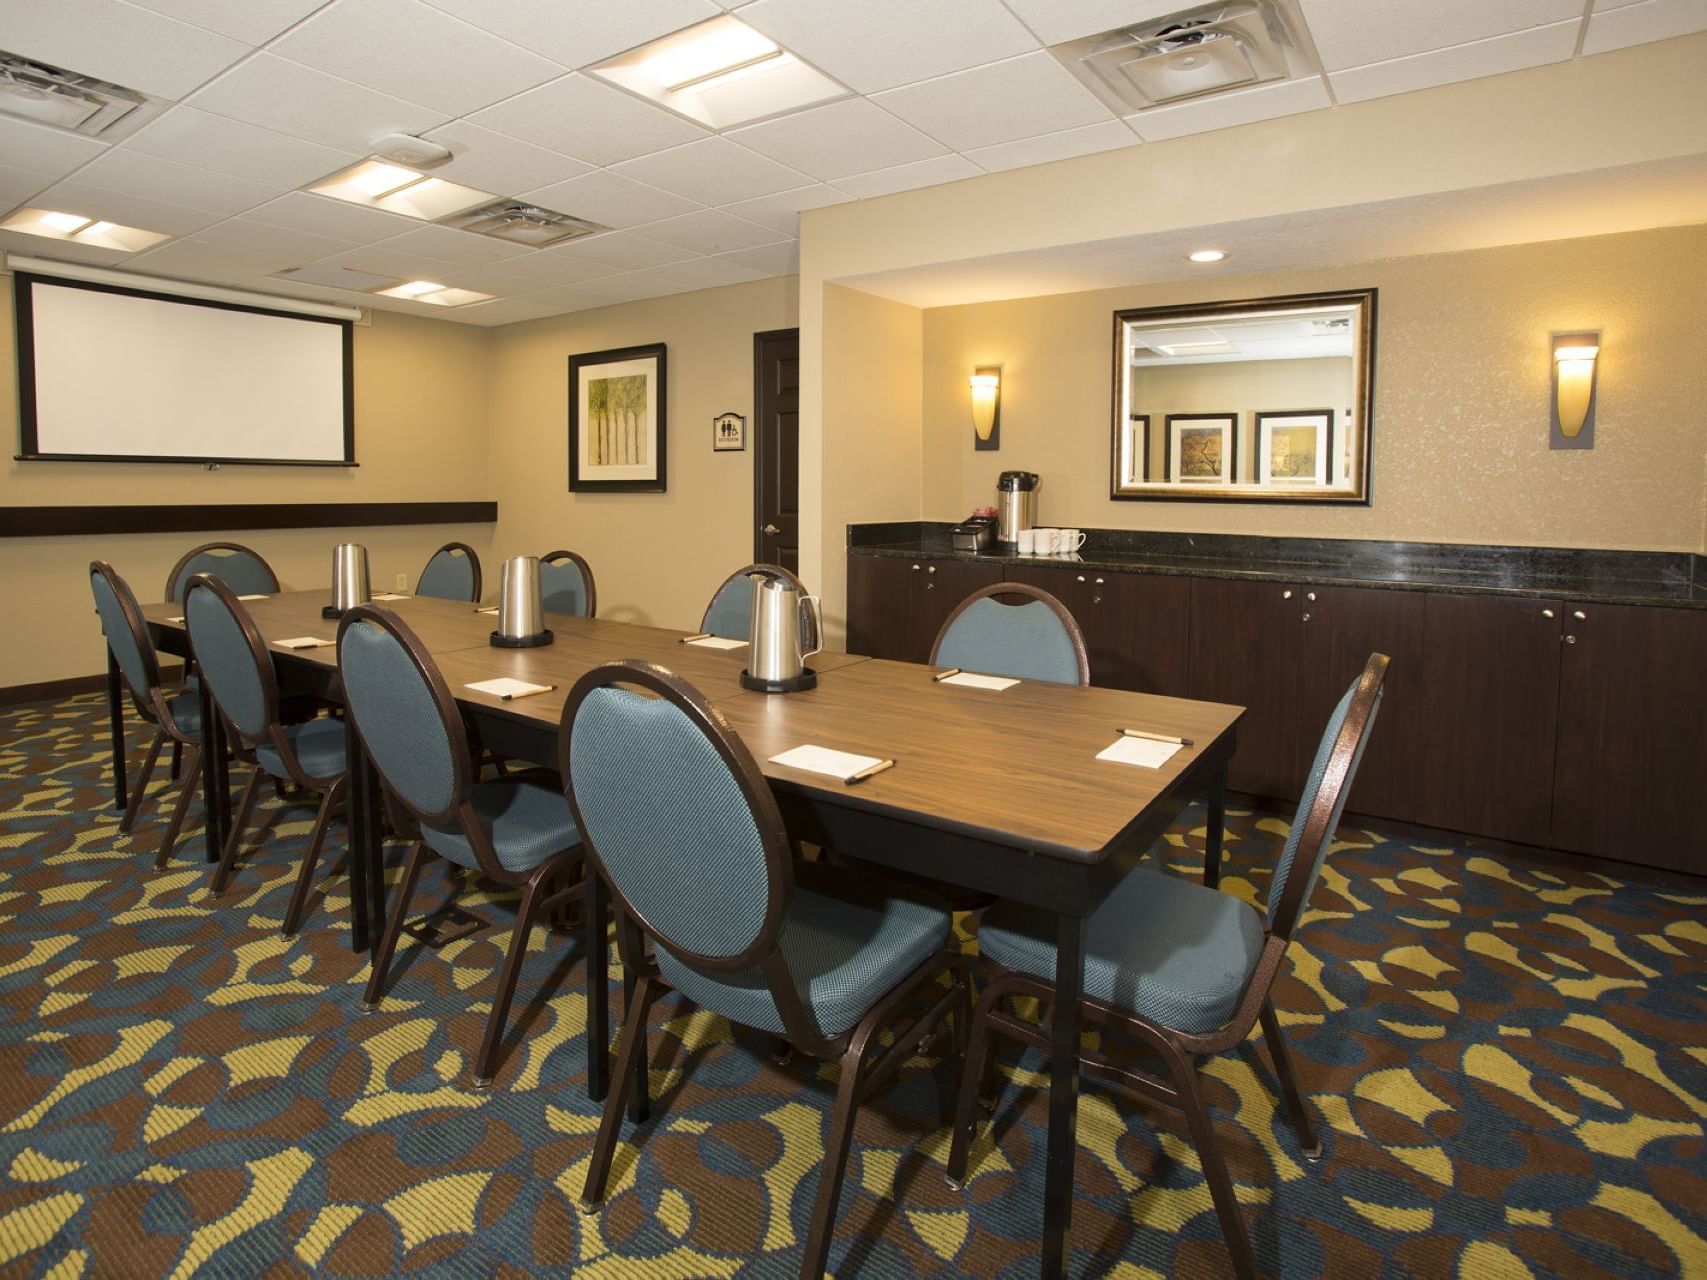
119, 374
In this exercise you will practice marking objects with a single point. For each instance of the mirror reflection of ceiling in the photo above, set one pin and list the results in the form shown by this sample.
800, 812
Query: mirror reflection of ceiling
1270, 337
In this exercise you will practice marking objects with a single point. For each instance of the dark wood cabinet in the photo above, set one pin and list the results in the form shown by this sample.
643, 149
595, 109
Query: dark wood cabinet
896, 606
1137, 626
1245, 642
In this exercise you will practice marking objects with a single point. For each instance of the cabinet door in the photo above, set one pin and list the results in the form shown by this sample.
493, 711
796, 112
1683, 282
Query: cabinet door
939, 586
1246, 649
1490, 686
881, 599
1137, 626
1632, 755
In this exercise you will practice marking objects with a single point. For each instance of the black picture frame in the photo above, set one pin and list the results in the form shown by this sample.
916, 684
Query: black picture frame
627, 453
1227, 424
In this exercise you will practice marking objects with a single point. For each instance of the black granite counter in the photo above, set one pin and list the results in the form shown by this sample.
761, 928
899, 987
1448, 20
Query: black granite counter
1666, 579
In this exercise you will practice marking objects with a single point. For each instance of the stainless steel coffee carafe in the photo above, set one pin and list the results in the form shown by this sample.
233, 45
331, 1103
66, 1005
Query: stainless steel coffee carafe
1016, 504
776, 652
521, 617
349, 579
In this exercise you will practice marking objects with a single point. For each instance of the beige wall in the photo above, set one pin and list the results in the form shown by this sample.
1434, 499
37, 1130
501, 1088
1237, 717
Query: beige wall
657, 557
421, 400
1460, 433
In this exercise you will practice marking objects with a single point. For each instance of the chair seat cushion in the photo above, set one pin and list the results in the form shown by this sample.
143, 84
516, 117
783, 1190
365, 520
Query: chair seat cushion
1173, 952
186, 708
524, 816
319, 747
845, 956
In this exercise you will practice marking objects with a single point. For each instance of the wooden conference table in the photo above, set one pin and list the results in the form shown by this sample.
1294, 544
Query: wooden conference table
994, 791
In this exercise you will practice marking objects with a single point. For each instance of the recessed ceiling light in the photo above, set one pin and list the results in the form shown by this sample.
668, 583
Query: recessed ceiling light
523, 223
397, 189
720, 73
81, 229
437, 294
1208, 255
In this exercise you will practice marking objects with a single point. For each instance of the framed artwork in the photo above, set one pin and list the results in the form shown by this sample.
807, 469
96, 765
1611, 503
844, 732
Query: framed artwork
617, 420
1203, 448
728, 432
1295, 448
1132, 454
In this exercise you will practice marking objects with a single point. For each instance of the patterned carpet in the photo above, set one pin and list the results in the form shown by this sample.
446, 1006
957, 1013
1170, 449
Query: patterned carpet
1510, 1063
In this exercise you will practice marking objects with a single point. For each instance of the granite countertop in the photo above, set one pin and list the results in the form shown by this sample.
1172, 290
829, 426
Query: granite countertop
1672, 580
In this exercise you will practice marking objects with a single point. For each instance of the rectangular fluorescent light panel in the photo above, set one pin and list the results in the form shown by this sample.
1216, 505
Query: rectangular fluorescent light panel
720, 73
436, 294
391, 187
80, 229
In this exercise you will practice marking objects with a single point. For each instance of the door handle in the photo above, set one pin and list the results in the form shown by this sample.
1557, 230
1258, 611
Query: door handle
771, 529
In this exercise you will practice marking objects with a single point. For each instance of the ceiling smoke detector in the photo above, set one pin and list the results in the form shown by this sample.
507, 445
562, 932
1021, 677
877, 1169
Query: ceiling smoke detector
523, 223
50, 95
1186, 55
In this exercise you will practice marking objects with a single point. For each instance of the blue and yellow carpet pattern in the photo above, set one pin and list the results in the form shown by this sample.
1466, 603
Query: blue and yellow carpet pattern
1509, 1063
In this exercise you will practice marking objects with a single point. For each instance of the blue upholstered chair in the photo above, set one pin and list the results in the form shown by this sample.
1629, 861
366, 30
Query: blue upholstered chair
239, 673
452, 573
566, 585
1180, 967
1036, 640
729, 613
176, 717
232, 563
514, 830
681, 824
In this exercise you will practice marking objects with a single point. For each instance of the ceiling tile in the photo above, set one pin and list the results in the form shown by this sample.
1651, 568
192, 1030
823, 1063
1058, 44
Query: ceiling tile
312, 105
118, 42
769, 260
43, 150
524, 275
308, 281
190, 259
18, 185
781, 212
709, 231
144, 175
1083, 141
505, 311
262, 237
610, 199
712, 171
464, 248
587, 120
1057, 20
1352, 33
253, 21
420, 54
707, 273
132, 211
632, 287
878, 44
230, 146
907, 177
1225, 110
620, 251
1462, 62
583, 33
1019, 98
1638, 23
385, 262
851, 136
337, 219
496, 162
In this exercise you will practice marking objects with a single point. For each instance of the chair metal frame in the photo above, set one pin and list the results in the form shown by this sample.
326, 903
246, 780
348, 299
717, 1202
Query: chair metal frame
865, 1063
193, 552
154, 708
995, 590
770, 570
473, 564
545, 889
580, 562
331, 791
1179, 1050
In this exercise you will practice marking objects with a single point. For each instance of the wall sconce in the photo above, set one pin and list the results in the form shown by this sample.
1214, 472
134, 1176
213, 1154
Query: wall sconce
987, 407
1575, 356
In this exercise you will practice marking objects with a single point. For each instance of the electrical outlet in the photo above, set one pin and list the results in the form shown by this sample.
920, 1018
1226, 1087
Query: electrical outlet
402, 582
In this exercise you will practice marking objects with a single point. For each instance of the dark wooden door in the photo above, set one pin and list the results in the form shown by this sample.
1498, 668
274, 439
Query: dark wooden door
1490, 690
776, 448
896, 606
1246, 648
1631, 762
1137, 626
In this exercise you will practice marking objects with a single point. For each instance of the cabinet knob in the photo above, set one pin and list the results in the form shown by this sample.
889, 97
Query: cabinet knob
1570, 639
1306, 617
917, 567
1286, 595
1548, 613
932, 569
930, 586
1096, 599
1310, 596
1579, 615
1099, 582
1081, 577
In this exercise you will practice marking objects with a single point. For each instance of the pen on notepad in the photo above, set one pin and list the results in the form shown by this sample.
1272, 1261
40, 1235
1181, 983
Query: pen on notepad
944, 675
1156, 737
511, 697
870, 771
703, 635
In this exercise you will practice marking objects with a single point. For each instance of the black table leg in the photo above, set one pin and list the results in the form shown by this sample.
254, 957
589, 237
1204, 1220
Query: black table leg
216, 780
598, 986
115, 712
367, 847
1063, 1094
1216, 803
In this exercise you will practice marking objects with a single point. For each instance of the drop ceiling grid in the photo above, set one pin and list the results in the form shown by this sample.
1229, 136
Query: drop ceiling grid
274, 94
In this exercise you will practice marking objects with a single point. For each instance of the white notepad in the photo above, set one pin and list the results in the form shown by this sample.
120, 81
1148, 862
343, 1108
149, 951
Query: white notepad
493, 609
824, 760
259, 597
504, 687
1139, 751
179, 618
303, 642
973, 681
390, 595
718, 642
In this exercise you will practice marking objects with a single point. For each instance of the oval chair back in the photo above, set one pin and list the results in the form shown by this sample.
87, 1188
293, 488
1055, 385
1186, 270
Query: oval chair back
677, 815
127, 637
1323, 802
730, 612
566, 585
451, 573
1036, 640
233, 658
231, 562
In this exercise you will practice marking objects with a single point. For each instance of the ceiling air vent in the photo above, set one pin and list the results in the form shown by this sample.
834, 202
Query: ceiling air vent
523, 223
49, 95
1200, 51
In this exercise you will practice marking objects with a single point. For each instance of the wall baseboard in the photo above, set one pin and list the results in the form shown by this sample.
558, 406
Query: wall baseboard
59, 522
49, 690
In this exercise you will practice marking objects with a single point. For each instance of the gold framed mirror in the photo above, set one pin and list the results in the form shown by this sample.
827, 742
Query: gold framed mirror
1256, 400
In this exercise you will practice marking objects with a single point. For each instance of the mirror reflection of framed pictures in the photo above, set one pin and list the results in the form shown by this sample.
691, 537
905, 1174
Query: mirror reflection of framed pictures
1203, 448
1132, 454
1295, 448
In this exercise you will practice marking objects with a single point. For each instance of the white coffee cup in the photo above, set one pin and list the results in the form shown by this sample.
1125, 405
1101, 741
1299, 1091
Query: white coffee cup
1028, 542
1045, 540
1068, 541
